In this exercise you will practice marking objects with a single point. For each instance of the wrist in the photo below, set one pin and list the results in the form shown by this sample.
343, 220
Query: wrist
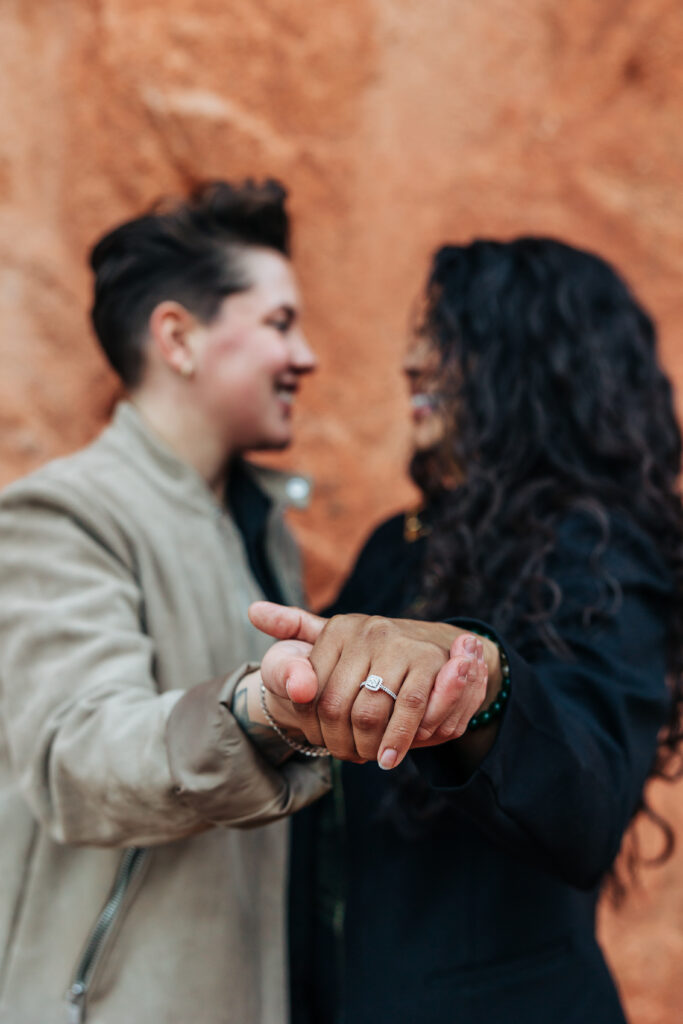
497, 687
495, 670
278, 709
298, 743
247, 711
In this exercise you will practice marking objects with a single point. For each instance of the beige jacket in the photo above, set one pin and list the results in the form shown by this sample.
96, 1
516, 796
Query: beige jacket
123, 584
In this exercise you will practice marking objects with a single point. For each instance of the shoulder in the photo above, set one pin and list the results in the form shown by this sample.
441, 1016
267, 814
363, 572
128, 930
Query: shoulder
80, 477
588, 543
608, 586
82, 492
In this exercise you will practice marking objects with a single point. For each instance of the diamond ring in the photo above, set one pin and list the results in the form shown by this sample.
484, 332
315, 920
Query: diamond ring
376, 683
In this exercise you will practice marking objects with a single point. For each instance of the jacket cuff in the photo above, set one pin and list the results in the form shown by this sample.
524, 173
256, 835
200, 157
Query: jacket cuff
218, 771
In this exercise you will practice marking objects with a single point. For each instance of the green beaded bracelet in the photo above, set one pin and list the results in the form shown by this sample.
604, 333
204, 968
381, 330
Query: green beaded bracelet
495, 709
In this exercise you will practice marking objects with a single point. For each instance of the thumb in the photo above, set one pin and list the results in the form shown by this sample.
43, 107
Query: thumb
286, 623
287, 672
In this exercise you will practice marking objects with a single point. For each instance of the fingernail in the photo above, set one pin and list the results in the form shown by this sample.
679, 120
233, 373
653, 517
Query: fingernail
388, 759
463, 669
470, 644
480, 650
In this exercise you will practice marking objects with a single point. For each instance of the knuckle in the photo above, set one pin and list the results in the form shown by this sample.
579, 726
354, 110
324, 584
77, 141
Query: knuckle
366, 719
415, 700
379, 628
452, 730
401, 734
459, 687
331, 708
306, 712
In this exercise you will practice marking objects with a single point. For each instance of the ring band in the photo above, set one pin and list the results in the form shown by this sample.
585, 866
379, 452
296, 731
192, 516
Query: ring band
376, 683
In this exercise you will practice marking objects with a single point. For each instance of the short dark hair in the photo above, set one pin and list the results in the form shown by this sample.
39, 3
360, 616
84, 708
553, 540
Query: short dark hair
185, 250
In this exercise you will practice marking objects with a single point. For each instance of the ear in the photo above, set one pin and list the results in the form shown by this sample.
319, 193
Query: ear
171, 327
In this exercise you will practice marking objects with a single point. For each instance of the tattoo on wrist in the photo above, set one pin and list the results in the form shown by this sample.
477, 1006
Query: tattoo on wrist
262, 736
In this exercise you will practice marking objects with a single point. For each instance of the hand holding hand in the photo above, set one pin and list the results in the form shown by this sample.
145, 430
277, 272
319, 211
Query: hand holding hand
438, 672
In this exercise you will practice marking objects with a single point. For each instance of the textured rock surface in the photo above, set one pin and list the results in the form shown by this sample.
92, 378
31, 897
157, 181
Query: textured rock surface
397, 125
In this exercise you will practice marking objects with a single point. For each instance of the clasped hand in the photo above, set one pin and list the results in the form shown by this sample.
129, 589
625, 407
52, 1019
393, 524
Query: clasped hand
440, 675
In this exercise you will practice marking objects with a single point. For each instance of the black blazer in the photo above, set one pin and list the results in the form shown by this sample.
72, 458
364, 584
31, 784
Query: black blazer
484, 913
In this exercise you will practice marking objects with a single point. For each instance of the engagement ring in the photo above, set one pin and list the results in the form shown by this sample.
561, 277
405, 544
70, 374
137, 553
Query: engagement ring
375, 683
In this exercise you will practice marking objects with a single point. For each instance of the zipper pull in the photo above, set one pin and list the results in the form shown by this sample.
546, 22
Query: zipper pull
75, 997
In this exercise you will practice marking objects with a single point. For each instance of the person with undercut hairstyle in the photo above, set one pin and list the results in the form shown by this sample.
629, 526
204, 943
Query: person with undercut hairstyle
125, 574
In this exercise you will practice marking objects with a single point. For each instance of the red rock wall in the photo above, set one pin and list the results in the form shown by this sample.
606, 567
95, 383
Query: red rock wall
397, 125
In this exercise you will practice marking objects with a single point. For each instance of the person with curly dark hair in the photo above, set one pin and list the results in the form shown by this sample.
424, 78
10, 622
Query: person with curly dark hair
462, 885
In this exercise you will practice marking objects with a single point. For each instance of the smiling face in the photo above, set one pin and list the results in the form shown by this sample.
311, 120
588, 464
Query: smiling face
422, 367
248, 361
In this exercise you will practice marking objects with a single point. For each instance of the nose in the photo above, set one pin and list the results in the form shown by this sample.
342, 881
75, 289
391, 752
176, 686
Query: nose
303, 358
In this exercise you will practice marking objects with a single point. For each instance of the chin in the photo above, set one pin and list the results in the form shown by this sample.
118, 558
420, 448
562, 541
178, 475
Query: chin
423, 442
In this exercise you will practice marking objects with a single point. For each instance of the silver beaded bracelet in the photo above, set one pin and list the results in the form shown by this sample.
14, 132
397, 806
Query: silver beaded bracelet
301, 748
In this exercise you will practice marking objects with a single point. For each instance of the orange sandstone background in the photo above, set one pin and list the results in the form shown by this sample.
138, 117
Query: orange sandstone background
397, 125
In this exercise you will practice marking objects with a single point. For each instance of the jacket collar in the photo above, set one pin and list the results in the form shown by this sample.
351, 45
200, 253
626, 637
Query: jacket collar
138, 443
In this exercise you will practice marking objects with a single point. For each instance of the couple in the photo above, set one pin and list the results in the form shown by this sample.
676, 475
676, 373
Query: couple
529, 648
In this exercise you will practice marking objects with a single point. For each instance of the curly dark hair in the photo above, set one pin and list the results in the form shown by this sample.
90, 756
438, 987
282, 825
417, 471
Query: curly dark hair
557, 404
187, 250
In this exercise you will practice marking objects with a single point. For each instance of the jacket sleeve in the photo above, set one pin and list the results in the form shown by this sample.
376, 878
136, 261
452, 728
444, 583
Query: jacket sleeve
100, 755
578, 737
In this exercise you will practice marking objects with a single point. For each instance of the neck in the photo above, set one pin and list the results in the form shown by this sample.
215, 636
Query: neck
187, 433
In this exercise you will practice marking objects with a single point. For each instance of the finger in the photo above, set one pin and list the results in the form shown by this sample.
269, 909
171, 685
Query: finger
408, 712
285, 623
335, 704
449, 687
450, 684
287, 672
370, 716
455, 724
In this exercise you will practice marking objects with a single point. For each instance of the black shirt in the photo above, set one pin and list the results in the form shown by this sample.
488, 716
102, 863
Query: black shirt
485, 912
